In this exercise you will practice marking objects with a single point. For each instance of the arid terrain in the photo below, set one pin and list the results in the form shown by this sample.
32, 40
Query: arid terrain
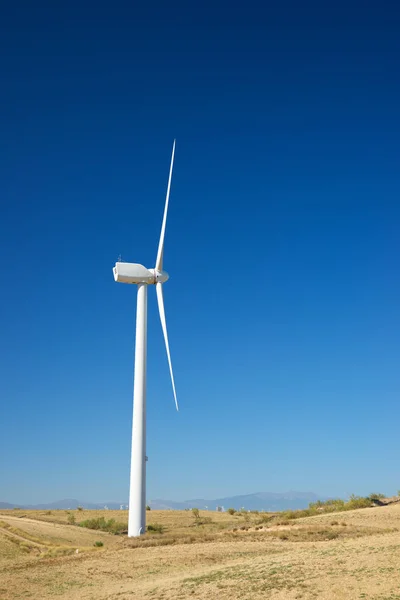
353, 554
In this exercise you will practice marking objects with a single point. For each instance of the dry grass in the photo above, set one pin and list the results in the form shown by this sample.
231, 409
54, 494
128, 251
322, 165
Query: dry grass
352, 555
169, 518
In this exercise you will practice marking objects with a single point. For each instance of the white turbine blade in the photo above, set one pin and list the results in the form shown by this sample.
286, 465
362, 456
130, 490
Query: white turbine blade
159, 261
160, 300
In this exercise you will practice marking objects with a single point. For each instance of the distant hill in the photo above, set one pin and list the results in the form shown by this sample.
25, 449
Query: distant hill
6, 505
268, 501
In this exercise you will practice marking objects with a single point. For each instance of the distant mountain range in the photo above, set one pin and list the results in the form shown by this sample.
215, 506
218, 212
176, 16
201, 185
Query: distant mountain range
268, 501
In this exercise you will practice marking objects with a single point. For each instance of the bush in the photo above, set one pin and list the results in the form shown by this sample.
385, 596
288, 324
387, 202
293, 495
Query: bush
231, 511
80, 508
295, 514
335, 503
376, 496
71, 519
357, 502
155, 528
329, 506
148, 507
98, 544
112, 526
198, 519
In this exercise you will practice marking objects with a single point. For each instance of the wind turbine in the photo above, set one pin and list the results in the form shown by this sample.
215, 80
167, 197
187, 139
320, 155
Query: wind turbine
142, 277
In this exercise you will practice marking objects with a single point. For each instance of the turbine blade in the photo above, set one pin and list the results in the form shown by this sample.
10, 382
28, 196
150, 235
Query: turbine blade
159, 261
160, 300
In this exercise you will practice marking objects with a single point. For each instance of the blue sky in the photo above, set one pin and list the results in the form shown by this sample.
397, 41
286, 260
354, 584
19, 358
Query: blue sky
282, 245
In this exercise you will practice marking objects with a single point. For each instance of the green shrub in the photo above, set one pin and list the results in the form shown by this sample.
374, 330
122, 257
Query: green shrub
98, 544
329, 506
231, 511
112, 526
71, 519
376, 496
357, 502
155, 528
148, 507
99, 523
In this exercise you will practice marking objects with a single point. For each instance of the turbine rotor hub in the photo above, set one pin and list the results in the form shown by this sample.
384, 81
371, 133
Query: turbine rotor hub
159, 276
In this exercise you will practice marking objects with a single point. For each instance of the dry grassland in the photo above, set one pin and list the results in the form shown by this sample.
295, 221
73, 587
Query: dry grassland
351, 555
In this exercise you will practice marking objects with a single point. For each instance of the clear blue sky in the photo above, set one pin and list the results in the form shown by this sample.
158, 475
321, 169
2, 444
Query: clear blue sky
282, 245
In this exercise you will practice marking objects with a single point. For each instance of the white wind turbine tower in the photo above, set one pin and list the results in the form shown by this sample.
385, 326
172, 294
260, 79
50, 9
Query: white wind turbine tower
142, 277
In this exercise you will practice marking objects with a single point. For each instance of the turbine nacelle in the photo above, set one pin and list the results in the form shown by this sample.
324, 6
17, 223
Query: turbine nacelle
135, 273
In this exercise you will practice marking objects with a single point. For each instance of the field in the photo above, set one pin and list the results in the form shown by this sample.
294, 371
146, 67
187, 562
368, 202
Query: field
353, 554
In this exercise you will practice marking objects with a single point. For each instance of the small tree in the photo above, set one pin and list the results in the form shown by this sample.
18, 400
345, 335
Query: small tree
71, 519
148, 507
196, 513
